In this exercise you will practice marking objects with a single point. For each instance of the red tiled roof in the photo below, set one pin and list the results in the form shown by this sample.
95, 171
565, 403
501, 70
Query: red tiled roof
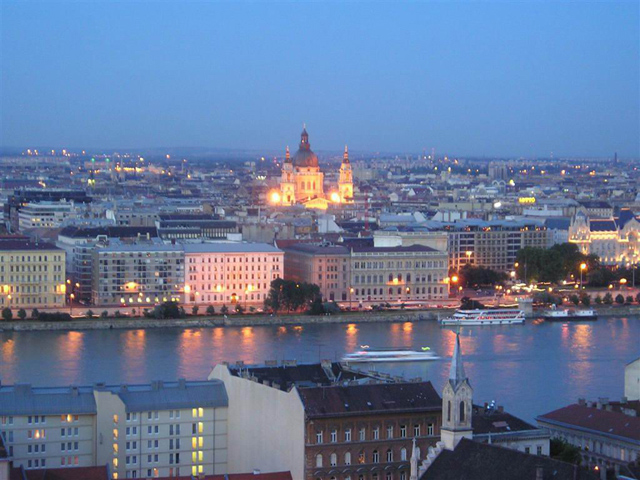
76, 473
238, 476
592, 418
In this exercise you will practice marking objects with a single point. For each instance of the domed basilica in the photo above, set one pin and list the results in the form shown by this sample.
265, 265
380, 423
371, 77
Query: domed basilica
302, 181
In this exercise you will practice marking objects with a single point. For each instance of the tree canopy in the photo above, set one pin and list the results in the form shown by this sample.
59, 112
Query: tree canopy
552, 264
290, 295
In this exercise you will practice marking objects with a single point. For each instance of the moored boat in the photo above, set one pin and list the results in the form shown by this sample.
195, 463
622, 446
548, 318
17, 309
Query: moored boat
563, 314
485, 317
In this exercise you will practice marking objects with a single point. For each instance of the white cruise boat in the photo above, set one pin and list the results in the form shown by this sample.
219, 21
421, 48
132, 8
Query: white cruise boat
484, 317
555, 314
370, 355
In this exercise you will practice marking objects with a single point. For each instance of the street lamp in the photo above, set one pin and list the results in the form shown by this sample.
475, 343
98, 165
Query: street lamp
583, 267
455, 279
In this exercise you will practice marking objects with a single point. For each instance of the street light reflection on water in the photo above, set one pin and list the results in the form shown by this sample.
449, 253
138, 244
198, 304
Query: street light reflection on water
529, 369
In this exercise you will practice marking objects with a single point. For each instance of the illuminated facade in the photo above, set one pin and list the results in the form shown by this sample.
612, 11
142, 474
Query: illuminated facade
616, 240
31, 275
302, 181
230, 273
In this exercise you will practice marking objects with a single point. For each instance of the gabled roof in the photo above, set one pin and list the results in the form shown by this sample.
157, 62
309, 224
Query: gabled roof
605, 422
382, 398
482, 461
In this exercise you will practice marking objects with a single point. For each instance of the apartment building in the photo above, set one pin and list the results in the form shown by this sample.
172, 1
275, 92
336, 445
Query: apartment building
350, 431
324, 265
142, 273
194, 226
493, 244
79, 244
162, 429
368, 275
31, 274
44, 214
228, 273
399, 274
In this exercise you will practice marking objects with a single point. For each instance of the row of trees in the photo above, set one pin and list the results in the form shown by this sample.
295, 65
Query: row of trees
553, 264
470, 276
585, 299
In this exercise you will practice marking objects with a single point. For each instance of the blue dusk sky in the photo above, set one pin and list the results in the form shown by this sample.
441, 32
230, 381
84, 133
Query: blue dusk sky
468, 78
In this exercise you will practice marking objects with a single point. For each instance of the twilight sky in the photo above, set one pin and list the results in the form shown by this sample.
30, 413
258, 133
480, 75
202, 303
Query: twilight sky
468, 78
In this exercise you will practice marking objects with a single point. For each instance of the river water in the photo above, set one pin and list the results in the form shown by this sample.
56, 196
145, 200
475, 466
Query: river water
529, 369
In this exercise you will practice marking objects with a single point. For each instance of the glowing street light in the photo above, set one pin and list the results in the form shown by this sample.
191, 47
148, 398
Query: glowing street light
583, 267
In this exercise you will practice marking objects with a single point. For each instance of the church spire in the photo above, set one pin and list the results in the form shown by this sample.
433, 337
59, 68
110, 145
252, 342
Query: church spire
287, 156
345, 158
456, 374
413, 475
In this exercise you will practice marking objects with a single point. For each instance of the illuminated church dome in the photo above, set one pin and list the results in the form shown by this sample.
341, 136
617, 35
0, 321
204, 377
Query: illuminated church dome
304, 157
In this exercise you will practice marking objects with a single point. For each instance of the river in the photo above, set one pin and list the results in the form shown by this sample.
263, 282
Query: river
528, 369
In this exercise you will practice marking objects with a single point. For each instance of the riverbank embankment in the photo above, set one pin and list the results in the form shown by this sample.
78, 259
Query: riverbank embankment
252, 320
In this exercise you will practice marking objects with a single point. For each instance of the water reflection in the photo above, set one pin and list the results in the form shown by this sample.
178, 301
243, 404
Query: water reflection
70, 346
531, 369
134, 354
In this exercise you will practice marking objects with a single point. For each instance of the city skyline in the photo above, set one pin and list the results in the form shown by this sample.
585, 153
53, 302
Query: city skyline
471, 79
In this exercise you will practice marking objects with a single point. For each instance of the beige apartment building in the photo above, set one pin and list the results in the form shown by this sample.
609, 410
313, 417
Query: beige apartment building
370, 275
230, 273
141, 431
32, 275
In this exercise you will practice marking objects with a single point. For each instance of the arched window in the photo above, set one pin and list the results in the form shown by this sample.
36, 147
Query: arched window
403, 454
389, 456
376, 456
399, 277
391, 277
347, 458
408, 277
449, 411
334, 459
314, 185
318, 461
462, 411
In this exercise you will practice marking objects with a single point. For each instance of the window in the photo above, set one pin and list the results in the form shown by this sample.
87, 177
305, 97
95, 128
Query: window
347, 458
376, 456
462, 412
347, 435
416, 430
363, 434
403, 431
449, 411
539, 450
334, 436
390, 431
361, 458
403, 454
527, 449
318, 437
318, 461
430, 429
376, 433
389, 455
334, 460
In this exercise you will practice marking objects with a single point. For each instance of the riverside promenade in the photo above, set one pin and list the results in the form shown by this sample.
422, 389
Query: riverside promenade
259, 319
